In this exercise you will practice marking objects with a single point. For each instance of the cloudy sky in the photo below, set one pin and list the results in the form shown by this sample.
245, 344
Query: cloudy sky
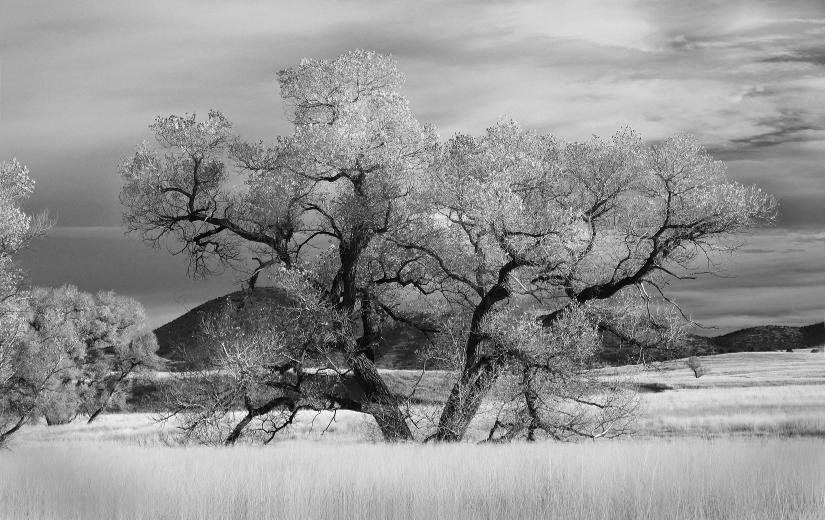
81, 81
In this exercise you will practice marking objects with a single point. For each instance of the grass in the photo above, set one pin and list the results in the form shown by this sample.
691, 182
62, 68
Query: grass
299, 479
745, 441
757, 394
787, 411
737, 370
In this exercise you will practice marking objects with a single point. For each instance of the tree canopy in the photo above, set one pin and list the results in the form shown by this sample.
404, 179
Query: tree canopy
97, 340
17, 230
518, 249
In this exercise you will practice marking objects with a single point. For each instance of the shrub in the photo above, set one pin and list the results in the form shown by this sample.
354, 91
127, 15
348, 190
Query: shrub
695, 364
61, 408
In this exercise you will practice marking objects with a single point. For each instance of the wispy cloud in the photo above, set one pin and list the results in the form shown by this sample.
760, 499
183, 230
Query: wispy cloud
815, 56
82, 80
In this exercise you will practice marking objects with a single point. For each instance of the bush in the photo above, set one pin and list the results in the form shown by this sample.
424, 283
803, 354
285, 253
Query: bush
695, 364
61, 408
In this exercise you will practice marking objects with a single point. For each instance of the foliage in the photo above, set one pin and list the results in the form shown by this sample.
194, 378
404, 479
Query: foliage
17, 230
77, 352
520, 248
695, 364
264, 364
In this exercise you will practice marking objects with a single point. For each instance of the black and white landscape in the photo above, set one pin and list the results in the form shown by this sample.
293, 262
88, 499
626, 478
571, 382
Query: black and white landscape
412, 260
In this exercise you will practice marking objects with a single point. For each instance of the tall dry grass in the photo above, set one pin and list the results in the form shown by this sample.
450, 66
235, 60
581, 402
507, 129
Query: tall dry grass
688, 479
783, 411
119, 467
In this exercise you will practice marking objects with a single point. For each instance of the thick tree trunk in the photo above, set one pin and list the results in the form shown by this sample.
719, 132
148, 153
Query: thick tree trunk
479, 373
381, 403
465, 400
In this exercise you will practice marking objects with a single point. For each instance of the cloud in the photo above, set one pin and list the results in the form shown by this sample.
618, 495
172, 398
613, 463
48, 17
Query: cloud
776, 279
815, 56
787, 127
81, 82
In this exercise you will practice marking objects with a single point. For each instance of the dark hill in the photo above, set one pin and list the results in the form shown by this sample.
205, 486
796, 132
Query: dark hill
770, 337
813, 335
401, 344
760, 339
178, 339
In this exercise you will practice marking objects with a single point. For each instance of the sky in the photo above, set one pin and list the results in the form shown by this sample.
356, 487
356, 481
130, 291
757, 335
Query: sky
81, 81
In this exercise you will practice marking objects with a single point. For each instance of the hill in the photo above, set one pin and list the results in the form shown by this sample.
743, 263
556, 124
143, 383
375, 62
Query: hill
401, 344
178, 339
770, 337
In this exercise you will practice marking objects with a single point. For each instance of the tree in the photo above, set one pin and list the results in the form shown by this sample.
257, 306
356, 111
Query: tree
595, 228
341, 179
17, 230
120, 343
96, 340
522, 248
695, 364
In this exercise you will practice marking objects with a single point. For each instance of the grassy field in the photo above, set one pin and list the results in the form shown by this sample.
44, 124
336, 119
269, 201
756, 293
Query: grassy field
745, 441
744, 369
763, 394
688, 479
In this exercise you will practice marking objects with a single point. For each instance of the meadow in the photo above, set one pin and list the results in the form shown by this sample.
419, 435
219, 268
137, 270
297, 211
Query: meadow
745, 441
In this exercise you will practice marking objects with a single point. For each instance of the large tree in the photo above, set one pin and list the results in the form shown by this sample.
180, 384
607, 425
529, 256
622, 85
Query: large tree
342, 178
520, 247
591, 231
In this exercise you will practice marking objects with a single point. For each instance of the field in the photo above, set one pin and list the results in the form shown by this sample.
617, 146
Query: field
745, 441
751, 394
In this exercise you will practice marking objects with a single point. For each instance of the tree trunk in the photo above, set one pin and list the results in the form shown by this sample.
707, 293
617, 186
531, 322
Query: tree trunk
238, 429
479, 372
381, 403
96, 413
252, 412
8, 433
465, 400
111, 391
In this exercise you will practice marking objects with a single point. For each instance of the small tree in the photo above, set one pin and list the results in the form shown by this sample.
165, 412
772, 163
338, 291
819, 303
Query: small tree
695, 364
99, 340
119, 343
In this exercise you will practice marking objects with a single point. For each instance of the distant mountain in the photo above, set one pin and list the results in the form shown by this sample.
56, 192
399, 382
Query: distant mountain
401, 345
758, 339
764, 338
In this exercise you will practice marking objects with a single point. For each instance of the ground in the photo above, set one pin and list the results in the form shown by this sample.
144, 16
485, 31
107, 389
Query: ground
747, 440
